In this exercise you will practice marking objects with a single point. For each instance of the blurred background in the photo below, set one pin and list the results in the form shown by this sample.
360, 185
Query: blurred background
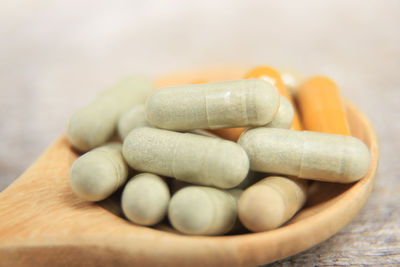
56, 55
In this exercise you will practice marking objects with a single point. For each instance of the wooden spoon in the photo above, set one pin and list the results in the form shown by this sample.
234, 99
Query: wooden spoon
44, 224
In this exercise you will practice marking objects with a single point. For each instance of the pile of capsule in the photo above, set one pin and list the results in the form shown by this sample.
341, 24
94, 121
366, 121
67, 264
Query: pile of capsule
235, 150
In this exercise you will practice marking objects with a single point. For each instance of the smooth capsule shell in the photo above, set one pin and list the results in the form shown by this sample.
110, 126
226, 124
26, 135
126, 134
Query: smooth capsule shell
187, 157
284, 116
213, 105
133, 118
200, 210
271, 202
271, 75
311, 155
94, 124
98, 173
283, 119
321, 106
145, 199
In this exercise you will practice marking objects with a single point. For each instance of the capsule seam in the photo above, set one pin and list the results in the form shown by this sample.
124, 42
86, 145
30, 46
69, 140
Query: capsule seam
206, 107
282, 194
300, 173
251, 100
174, 156
116, 170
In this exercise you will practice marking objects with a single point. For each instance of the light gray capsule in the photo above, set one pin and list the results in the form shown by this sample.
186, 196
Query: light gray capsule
187, 157
131, 119
215, 105
311, 155
284, 117
94, 124
98, 173
145, 199
200, 210
271, 202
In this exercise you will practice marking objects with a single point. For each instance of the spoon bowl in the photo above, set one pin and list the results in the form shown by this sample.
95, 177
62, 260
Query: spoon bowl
44, 224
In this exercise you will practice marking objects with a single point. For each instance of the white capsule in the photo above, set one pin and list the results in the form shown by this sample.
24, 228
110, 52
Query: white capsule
94, 124
213, 105
200, 210
131, 119
311, 155
187, 157
145, 199
98, 173
284, 117
271, 202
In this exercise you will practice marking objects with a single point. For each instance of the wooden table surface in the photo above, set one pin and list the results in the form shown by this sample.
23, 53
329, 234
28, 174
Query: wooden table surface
56, 55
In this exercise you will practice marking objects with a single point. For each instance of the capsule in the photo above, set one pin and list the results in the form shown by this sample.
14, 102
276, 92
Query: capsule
271, 202
213, 105
94, 124
284, 117
271, 75
311, 155
322, 107
200, 210
145, 199
133, 118
98, 173
187, 157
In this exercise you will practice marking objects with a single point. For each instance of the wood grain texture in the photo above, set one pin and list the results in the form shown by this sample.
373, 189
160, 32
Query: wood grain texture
56, 55
48, 225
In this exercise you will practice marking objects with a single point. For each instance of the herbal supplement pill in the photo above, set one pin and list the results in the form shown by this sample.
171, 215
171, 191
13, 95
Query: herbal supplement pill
321, 106
271, 75
94, 124
213, 105
283, 119
145, 199
133, 118
200, 210
311, 155
284, 116
271, 202
98, 173
187, 157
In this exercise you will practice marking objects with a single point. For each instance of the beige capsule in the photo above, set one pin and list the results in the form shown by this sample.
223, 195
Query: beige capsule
201, 210
187, 157
213, 105
145, 199
311, 155
133, 118
98, 173
271, 202
95, 123
284, 117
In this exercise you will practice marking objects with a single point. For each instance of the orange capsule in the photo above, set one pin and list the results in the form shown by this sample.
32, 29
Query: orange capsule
321, 106
272, 76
